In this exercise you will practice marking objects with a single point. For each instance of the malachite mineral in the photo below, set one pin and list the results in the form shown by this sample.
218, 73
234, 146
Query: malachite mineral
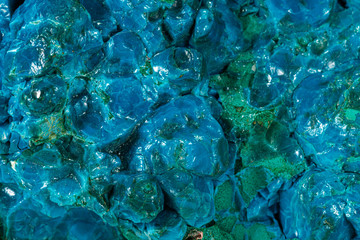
179, 119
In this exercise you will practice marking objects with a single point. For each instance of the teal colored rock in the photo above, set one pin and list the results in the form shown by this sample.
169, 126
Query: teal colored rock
94, 113
138, 198
309, 12
182, 135
44, 96
125, 53
167, 225
321, 199
190, 196
179, 119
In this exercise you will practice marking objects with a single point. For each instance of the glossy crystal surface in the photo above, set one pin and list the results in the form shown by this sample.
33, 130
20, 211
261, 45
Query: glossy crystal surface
179, 119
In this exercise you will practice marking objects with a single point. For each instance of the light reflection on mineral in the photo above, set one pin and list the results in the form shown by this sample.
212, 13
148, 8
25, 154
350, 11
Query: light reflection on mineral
10, 192
179, 120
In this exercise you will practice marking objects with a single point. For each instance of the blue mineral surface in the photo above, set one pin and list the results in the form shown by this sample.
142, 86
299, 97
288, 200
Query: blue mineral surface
179, 119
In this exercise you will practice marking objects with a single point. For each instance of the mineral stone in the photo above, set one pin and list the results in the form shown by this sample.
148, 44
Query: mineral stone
179, 119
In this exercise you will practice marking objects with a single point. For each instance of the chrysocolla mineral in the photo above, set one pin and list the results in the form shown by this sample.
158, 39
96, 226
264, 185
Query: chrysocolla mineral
179, 119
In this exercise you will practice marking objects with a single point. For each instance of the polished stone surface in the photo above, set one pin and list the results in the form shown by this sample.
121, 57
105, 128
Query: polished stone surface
179, 119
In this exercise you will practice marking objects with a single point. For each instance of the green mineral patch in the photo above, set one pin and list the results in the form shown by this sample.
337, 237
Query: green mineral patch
256, 231
281, 167
230, 85
224, 196
214, 233
350, 114
241, 114
252, 27
227, 224
168, 1
251, 180
146, 69
262, 155
238, 74
239, 232
266, 147
48, 128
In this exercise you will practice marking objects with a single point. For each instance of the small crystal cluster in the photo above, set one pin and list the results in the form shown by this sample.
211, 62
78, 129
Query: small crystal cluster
179, 119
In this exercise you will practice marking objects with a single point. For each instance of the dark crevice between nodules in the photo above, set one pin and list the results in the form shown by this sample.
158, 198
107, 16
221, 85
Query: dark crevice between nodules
277, 218
343, 3
14, 4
